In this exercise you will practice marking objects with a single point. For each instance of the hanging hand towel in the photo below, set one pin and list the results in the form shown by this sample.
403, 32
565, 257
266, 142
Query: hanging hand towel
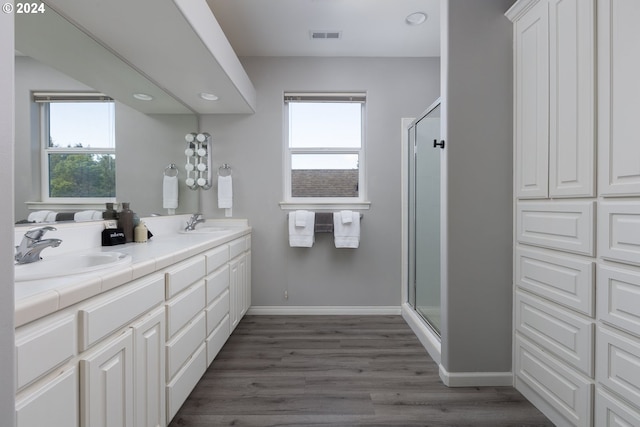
225, 192
346, 235
347, 217
301, 218
170, 192
301, 236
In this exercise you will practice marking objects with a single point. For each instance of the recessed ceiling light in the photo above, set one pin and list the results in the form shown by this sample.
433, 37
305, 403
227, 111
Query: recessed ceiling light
416, 18
208, 96
142, 97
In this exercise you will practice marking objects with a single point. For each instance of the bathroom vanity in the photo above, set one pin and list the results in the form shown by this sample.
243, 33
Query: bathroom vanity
126, 345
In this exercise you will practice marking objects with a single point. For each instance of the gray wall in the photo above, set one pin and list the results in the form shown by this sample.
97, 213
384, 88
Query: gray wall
7, 374
252, 144
477, 126
145, 144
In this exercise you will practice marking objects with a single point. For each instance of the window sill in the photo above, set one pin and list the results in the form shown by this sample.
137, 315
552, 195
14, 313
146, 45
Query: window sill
66, 206
289, 206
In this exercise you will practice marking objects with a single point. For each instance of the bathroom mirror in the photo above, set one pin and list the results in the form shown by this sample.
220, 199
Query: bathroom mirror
54, 55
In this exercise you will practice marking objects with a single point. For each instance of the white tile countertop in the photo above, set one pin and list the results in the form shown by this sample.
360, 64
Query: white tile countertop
38, 298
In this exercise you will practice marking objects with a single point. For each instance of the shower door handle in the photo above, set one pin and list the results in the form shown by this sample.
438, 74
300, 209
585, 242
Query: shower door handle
438, 144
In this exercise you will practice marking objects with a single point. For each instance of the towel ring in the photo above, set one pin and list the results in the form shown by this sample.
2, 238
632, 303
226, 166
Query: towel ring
171, 170
224, 170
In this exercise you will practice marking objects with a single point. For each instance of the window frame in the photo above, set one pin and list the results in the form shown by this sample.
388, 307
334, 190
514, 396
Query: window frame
290, 202
45, 99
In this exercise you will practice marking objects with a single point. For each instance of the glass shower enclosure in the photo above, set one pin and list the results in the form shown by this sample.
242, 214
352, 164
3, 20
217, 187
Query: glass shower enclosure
425, 157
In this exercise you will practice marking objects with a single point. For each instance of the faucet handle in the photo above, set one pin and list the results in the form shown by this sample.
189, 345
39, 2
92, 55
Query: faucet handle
38, 232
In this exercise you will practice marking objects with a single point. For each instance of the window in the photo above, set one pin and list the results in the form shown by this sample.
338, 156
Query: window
324, 148
78, 161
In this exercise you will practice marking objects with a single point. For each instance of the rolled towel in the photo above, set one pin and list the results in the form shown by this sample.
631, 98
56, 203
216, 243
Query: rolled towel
38, 216
225, 192
85, 215
170, 192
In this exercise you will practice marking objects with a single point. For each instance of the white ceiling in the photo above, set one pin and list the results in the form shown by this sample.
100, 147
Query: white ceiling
373, 28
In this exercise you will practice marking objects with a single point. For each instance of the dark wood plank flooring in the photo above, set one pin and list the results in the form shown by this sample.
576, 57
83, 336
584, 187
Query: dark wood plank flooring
339, 371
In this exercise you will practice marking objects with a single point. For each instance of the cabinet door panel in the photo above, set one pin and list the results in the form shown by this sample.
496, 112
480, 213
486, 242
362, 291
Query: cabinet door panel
532, 103
148, 341
618, 364
618, 94
619, 231
619, 297
106, 384
53, 404
572, 93
568, 336
612, 412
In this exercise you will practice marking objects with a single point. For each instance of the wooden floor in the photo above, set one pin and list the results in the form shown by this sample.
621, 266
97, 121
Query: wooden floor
339, 371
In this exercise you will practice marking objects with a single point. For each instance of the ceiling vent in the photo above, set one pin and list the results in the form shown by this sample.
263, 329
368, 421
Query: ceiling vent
333, 35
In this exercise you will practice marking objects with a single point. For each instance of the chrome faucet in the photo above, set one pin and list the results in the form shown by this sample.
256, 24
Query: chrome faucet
193, 221
32, 244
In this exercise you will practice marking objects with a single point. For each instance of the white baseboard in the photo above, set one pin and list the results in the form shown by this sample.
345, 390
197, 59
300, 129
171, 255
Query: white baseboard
323, 310
426, 336
475, 379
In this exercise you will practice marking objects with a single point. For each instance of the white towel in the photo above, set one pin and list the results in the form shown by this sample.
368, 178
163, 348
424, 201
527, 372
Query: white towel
40, 216
225, 192
89, 215
170, 192
346, 235
346, 216
302, 236
301, 218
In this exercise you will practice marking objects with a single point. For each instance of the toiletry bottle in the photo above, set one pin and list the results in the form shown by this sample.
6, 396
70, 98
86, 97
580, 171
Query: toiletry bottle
125, 221
110, 213
140, 233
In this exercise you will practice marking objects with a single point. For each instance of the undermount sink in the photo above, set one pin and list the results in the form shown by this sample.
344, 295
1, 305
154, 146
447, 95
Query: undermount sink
207, 230
69, 264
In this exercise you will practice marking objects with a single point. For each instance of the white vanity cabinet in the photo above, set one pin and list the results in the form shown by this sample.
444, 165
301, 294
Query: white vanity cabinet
130, 356
576, 316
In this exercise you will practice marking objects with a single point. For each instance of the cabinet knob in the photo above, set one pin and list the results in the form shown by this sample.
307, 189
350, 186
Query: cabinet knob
438, 144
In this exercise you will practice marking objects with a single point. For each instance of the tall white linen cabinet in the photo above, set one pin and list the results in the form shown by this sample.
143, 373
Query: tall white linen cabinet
577, 209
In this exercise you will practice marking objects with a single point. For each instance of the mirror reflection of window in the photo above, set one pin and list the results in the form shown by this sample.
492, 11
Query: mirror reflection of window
78, 147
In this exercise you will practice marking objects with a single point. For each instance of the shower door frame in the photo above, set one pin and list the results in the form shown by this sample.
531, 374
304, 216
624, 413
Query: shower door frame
428, 336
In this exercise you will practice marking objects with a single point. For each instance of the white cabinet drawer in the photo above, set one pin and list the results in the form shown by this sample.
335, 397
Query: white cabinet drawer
618, 364
567, 226
247, 242
217, 338
561, 278
43, 346
54, 403
184, 344
217, 283
236, 247
216, 257
107, 314
184, 307
185, 380
619, 297
619, 231
568, 393
568, 336
612, 412
217, 310
184, 274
